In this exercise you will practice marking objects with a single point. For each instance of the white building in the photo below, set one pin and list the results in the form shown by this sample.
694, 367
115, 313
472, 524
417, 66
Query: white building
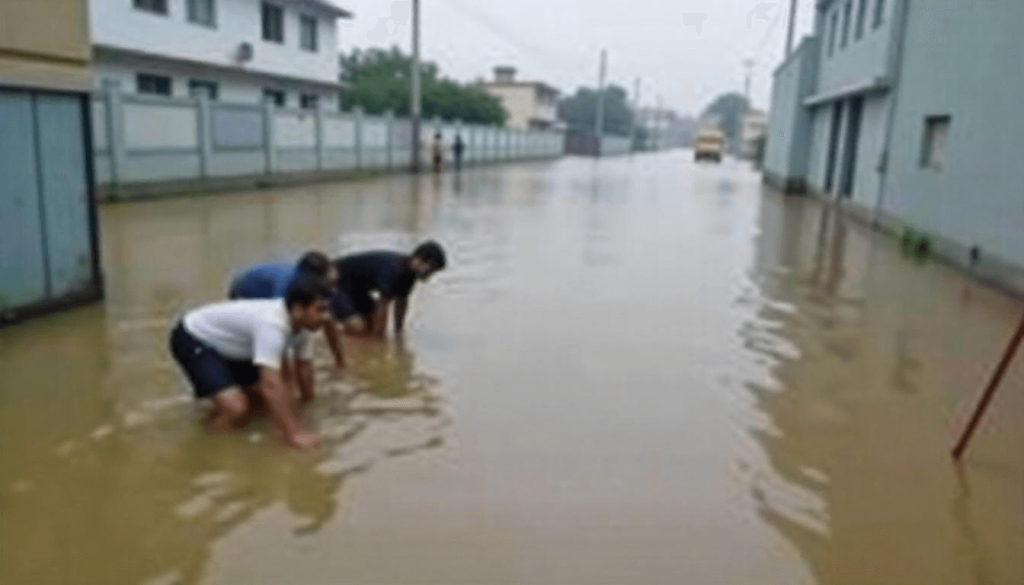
908, 113
531, 105
233, 50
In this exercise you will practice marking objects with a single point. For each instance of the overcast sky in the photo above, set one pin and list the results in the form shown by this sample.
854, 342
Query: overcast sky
559, 41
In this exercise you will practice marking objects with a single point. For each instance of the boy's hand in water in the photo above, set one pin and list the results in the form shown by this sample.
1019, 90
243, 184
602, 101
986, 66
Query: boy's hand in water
304, 440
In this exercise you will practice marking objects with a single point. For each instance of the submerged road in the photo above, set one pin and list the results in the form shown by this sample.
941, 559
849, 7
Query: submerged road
636, 370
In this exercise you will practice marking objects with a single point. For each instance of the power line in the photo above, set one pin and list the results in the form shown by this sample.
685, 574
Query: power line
507, 35
773, 26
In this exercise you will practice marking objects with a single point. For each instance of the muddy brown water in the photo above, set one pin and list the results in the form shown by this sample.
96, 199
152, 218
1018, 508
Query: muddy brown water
635, 371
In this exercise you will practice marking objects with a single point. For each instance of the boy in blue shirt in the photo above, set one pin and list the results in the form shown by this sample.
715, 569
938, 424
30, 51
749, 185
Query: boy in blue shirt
272, 281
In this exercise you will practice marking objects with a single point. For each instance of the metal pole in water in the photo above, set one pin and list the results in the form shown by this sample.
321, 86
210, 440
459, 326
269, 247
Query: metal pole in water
990, 391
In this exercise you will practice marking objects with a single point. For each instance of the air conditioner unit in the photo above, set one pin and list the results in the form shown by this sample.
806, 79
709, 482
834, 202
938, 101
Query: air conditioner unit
244, 53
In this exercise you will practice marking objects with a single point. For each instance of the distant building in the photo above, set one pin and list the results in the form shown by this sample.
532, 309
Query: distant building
680, 133
284, 51
657, 123
49, 254
909, 113
754, 126
531, 105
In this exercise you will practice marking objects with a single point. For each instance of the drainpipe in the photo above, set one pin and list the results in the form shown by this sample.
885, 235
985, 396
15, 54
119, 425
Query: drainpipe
895, 67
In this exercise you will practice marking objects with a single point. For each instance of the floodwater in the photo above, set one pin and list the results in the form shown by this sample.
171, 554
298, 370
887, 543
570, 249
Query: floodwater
635, 371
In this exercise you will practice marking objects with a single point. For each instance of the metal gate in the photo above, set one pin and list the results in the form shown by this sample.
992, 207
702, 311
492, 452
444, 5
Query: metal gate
48, 240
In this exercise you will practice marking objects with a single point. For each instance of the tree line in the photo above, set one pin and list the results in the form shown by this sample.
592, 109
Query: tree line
379, 81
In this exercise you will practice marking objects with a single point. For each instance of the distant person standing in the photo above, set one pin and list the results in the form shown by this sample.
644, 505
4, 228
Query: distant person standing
372, 281
437, 152
458, 147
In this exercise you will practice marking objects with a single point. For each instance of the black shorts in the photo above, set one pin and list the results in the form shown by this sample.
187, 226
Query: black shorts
345, 305
209, 372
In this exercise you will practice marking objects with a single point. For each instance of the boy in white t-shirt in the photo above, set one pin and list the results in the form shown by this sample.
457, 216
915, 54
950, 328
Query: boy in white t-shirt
232, 353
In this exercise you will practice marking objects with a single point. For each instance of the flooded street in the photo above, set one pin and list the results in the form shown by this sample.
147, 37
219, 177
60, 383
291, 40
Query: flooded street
635, 370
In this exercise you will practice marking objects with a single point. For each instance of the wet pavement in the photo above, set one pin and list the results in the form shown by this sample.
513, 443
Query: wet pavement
635, 371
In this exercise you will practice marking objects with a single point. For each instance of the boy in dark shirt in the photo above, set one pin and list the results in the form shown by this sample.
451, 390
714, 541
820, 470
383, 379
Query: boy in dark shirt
370, 281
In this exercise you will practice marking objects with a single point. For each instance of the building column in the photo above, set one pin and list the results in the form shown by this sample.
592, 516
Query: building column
318, 127
389, 119
115, 133
269, 146
205, 134
360, 147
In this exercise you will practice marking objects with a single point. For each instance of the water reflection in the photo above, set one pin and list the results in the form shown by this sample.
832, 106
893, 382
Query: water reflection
662, 373
161, 491
118, 481
853, 474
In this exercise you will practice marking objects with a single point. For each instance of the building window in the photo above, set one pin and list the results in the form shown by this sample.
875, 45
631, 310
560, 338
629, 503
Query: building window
936, 133
198, 88
309, 101
153, 84
203, 12
273, 23
879, 13
154, 6
847, 16
862, 13
274, 96
307, 33
110, 84
835, 31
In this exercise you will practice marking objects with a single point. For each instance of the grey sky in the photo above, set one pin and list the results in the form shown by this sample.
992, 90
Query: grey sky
679, 53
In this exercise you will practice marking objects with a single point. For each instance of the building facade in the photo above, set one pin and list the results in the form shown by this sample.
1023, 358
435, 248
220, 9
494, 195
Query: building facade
907, 112
530, 105
243, 51
49, 254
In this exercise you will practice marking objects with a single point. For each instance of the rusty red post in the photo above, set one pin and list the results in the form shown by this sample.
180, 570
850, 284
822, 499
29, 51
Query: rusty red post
990, 391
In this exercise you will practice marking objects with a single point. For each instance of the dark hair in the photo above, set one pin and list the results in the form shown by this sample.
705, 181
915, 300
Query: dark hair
432, 253
305, 290
315, 263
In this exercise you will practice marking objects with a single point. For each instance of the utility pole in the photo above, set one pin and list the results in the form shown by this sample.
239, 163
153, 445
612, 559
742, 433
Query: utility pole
658, 119
749, 66
636, 114
415, 107
599, 122
792, 27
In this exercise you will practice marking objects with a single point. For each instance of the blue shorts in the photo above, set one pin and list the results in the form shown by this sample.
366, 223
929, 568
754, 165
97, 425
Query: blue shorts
209, 372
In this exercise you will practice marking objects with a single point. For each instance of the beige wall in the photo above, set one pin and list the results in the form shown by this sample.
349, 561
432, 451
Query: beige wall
517, 101
45, 43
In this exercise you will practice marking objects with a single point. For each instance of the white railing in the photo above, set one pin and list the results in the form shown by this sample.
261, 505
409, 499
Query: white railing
615, 145
144, 139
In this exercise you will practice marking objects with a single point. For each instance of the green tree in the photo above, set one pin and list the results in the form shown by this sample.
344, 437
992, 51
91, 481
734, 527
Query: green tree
379, 81
580, 110
728, 109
